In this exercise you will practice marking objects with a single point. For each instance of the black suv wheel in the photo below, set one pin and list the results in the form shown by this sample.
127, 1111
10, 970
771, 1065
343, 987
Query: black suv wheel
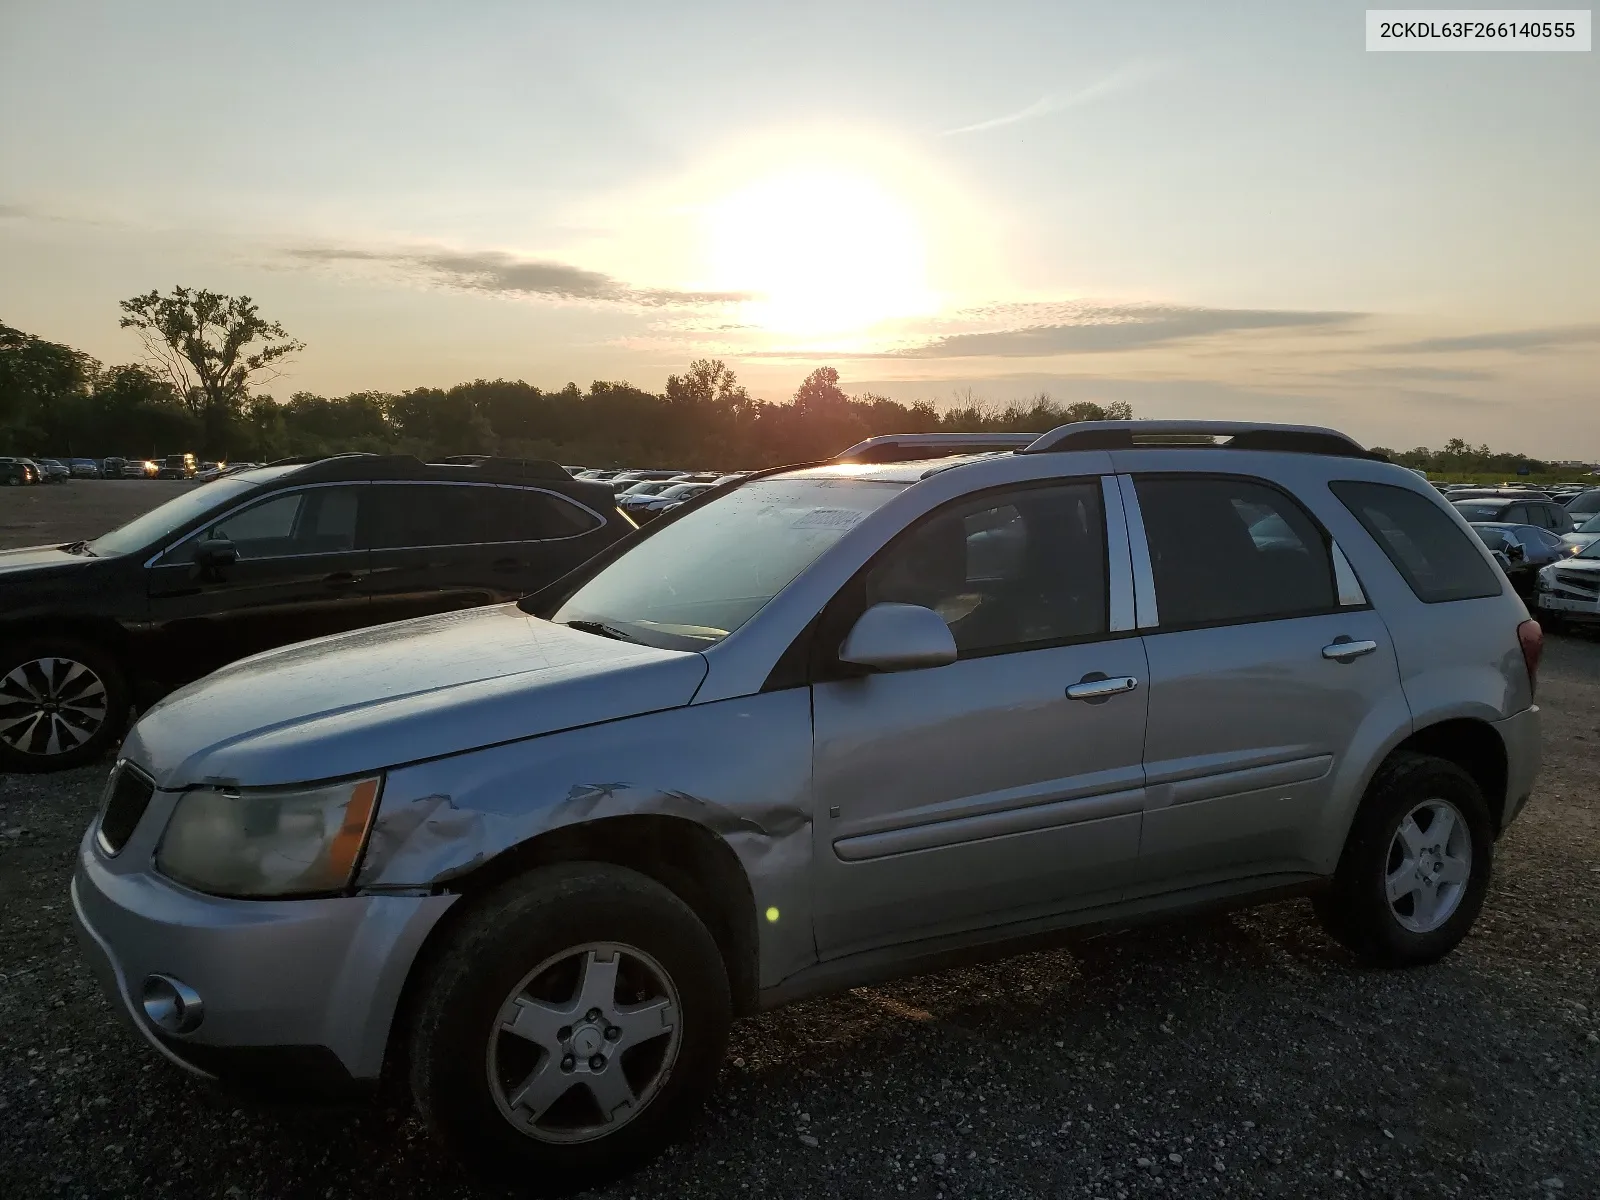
63, 702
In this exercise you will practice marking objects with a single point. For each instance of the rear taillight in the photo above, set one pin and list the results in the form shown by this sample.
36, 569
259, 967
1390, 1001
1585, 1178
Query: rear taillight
1531, 638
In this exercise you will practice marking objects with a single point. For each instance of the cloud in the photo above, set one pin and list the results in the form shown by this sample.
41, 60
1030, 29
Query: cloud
1390, 374
1509, 339
1116, 328
1055, 102
495, 271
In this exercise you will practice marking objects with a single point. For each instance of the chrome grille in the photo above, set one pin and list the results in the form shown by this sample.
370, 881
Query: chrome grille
1585, 583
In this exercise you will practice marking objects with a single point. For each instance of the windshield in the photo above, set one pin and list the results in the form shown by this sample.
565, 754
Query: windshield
1592, 525
705, 575
176, 513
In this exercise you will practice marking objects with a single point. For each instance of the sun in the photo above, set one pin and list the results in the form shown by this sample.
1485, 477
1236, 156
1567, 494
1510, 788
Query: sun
822, 252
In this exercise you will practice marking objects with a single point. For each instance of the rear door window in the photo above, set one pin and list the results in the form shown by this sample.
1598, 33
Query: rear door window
1435, 557
1229, 550
405, 515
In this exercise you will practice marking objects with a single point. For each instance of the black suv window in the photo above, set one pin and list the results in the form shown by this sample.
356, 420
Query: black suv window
1430, 551
547, 516
309, 521
1231, 550
1006, 571
435, 514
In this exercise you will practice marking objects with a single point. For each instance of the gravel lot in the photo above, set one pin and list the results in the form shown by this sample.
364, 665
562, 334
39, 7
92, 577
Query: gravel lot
1244, 1055
78, 508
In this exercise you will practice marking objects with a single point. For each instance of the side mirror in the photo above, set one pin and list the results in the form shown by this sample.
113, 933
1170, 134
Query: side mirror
1515, 552
899, 637
216, 552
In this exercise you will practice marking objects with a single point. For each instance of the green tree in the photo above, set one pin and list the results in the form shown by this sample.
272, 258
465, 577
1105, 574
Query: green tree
211, 348
39, 382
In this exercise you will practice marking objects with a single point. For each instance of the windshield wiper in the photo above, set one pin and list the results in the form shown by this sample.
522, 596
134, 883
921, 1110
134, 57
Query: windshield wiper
601, 628
79, 548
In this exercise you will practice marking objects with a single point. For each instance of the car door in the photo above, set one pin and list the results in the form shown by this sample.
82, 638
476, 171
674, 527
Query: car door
299, 575
982, 793
438, 547
1264, 659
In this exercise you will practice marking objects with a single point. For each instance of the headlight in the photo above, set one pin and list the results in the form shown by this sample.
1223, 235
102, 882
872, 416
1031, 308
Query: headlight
269, 842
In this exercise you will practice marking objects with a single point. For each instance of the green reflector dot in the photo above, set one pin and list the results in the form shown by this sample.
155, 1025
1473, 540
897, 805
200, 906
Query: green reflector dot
772, 914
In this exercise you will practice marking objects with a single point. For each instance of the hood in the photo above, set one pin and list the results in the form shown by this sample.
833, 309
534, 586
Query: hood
39, 558
393, 694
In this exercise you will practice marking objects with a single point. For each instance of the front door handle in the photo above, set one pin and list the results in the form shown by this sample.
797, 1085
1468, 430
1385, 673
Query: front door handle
1344, 650
507, 564
1101, 688
340, 579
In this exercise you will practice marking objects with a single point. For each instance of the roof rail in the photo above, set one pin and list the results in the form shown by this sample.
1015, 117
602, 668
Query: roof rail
906, 447
521, 468
1240, 435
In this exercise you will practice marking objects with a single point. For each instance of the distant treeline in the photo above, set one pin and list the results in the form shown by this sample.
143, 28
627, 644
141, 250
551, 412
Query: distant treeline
55, 400
1458, 458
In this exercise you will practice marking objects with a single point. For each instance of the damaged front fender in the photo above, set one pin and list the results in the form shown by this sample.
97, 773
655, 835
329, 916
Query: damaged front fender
739, 768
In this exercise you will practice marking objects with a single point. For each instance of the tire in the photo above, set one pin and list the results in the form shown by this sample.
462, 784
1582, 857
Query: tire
1426, 921
63, 703
466, 1067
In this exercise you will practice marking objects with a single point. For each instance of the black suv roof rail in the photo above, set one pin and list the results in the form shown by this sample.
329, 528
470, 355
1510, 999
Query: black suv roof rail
340, 467
907, 447
1240, 435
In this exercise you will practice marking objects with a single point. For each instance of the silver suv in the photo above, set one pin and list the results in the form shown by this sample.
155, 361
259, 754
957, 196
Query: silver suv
822, 726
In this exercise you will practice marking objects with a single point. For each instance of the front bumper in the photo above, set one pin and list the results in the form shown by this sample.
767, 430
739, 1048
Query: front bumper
305, 988
1520, 736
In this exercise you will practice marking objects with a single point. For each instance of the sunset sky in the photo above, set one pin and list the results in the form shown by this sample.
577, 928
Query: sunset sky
1205, 210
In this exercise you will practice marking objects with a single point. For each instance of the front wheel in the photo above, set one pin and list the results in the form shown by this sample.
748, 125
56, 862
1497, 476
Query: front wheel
63, 703
571, 1027
1415, 867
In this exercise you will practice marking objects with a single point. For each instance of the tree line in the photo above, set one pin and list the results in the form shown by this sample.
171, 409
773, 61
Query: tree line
207, 353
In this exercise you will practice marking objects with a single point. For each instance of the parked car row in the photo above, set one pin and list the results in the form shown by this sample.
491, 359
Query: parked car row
171, 466
814, 729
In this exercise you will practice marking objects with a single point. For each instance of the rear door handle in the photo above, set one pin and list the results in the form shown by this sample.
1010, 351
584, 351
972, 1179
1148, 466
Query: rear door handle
1101, 689
1344, 650
340, 579
507, 564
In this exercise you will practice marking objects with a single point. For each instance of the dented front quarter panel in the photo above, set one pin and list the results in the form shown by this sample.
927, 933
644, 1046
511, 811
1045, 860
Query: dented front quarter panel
740, 768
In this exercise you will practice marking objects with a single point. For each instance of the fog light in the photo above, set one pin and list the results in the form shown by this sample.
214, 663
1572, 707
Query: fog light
172, 1005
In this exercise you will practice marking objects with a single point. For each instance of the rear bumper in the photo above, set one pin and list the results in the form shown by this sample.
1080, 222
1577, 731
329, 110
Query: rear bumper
1520, 736
293, 990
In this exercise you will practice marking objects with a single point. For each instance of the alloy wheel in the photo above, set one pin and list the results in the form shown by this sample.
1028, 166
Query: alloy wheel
1429, 864
584, 1042
50, 706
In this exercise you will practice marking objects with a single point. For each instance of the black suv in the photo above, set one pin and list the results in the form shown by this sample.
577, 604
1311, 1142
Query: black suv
1512, 508
250, 561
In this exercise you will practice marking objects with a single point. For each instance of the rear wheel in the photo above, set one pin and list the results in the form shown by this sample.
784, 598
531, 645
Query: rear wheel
63, 702
1415, 867
571, 1028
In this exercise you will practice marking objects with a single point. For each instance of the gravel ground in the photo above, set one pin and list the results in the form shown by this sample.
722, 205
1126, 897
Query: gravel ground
78, 508
1237, 1056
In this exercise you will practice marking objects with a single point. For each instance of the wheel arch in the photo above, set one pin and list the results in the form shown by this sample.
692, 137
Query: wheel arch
1472, 744
686, 858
